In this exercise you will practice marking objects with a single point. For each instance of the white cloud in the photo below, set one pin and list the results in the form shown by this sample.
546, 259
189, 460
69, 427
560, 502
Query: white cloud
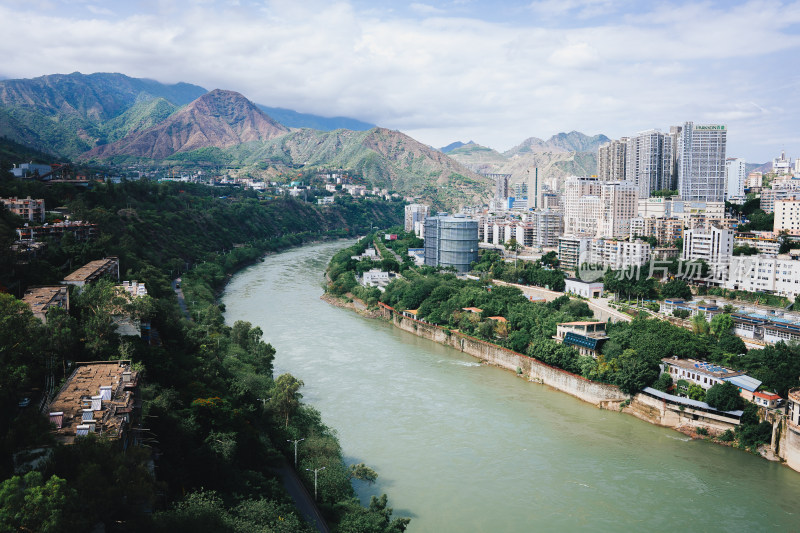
448, 78
426, 9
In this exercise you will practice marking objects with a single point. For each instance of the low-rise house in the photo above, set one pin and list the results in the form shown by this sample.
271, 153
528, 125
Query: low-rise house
769, 400
81, 231
100, 397
587, 289
93, 271
376, 278
42, 299
747, 386
699, 372
586, 336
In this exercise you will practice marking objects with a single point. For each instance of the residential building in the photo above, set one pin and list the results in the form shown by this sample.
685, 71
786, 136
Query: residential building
415, 215
501, 185
654, 207
79, 230
611, 160
787, 216
42, 299
735, 176
546, 226
765, 245
618, 205
534, 189
451, 241
650, 162
619, 255
780, 189
99, 398
713, 245
582, 206
701, 162
586, 337
754, 180
782, 165
664, 230
92, 271
28, 208
573, 251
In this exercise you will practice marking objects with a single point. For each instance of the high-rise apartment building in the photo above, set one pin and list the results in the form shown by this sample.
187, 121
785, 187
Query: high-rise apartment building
611, 160
546, 227
650, 162
701, 162
415, 217
782, 165
581, 202
735, 176
619, 204
501, 185
451, 241
787, 216
534, 189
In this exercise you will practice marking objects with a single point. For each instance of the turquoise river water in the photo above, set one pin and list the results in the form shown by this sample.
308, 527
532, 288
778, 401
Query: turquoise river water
461, 447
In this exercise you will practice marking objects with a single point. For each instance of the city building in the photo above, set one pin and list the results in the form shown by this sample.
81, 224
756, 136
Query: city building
754, 180
650, 163
42, 299
28, 208
735, 177
698, 372
582, 206
573, 251
664, 230
98, 398
79, 230
415, 215
618, 205
787, 216
757, 240
451, 241
611, 160
546, 226
93, 271
586, 289
26, 170
701, 162
713, 245
586, 337
780, 189
782, 165
619, 255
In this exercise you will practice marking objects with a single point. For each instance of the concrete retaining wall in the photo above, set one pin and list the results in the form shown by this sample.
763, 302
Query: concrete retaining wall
599, 394
665, 414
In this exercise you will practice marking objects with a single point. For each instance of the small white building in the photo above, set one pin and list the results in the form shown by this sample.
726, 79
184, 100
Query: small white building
375, 278
587, 289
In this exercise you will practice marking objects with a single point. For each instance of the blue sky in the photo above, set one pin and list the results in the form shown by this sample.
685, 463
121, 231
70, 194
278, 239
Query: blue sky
441, 71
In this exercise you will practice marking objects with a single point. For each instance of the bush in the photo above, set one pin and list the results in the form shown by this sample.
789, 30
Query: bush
727, 436
702, 431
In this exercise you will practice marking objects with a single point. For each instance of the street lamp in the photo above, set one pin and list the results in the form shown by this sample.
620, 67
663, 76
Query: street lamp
295, 450
315, 470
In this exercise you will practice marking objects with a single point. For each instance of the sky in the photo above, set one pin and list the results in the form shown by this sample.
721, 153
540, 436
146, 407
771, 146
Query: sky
452, 70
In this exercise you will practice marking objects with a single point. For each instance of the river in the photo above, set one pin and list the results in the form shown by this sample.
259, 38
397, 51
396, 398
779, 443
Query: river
461, 447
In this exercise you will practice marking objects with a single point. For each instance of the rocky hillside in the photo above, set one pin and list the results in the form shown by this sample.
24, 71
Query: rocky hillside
562, 155
219, 119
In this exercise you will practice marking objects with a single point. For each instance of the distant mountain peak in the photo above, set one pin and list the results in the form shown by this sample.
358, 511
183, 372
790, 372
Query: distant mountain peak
453, 146
219, 118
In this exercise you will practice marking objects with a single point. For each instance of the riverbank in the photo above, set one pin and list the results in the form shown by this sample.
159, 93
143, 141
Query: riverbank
694, 423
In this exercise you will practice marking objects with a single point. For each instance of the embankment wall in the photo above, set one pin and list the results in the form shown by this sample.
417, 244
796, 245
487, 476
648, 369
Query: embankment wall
599, 394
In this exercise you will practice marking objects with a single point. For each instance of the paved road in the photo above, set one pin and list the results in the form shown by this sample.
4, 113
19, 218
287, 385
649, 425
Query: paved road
303, 500
181, 299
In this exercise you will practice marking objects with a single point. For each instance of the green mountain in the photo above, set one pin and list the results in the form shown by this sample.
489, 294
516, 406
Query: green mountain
66, 114
293, 119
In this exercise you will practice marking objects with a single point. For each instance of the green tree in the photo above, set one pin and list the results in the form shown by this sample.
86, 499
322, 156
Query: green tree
696, 392
30, 503
286, 396
635, 372
724, 396
721, 324
664, 382
676, 288
699, 324
363, 473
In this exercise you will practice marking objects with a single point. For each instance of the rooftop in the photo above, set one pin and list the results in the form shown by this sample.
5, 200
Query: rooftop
40, 299
90, 271
709, 369
83, 401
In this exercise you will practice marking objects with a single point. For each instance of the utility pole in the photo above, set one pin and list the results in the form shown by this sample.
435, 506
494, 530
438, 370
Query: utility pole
315, 470
295, 450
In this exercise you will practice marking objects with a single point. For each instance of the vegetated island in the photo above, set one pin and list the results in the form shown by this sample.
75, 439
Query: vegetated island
495, 322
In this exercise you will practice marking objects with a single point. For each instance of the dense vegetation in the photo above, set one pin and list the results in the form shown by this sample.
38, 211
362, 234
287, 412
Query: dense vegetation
630, 357
216, 419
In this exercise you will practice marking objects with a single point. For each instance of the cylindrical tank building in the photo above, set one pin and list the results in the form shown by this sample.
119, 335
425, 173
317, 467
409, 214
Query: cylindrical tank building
451, 241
